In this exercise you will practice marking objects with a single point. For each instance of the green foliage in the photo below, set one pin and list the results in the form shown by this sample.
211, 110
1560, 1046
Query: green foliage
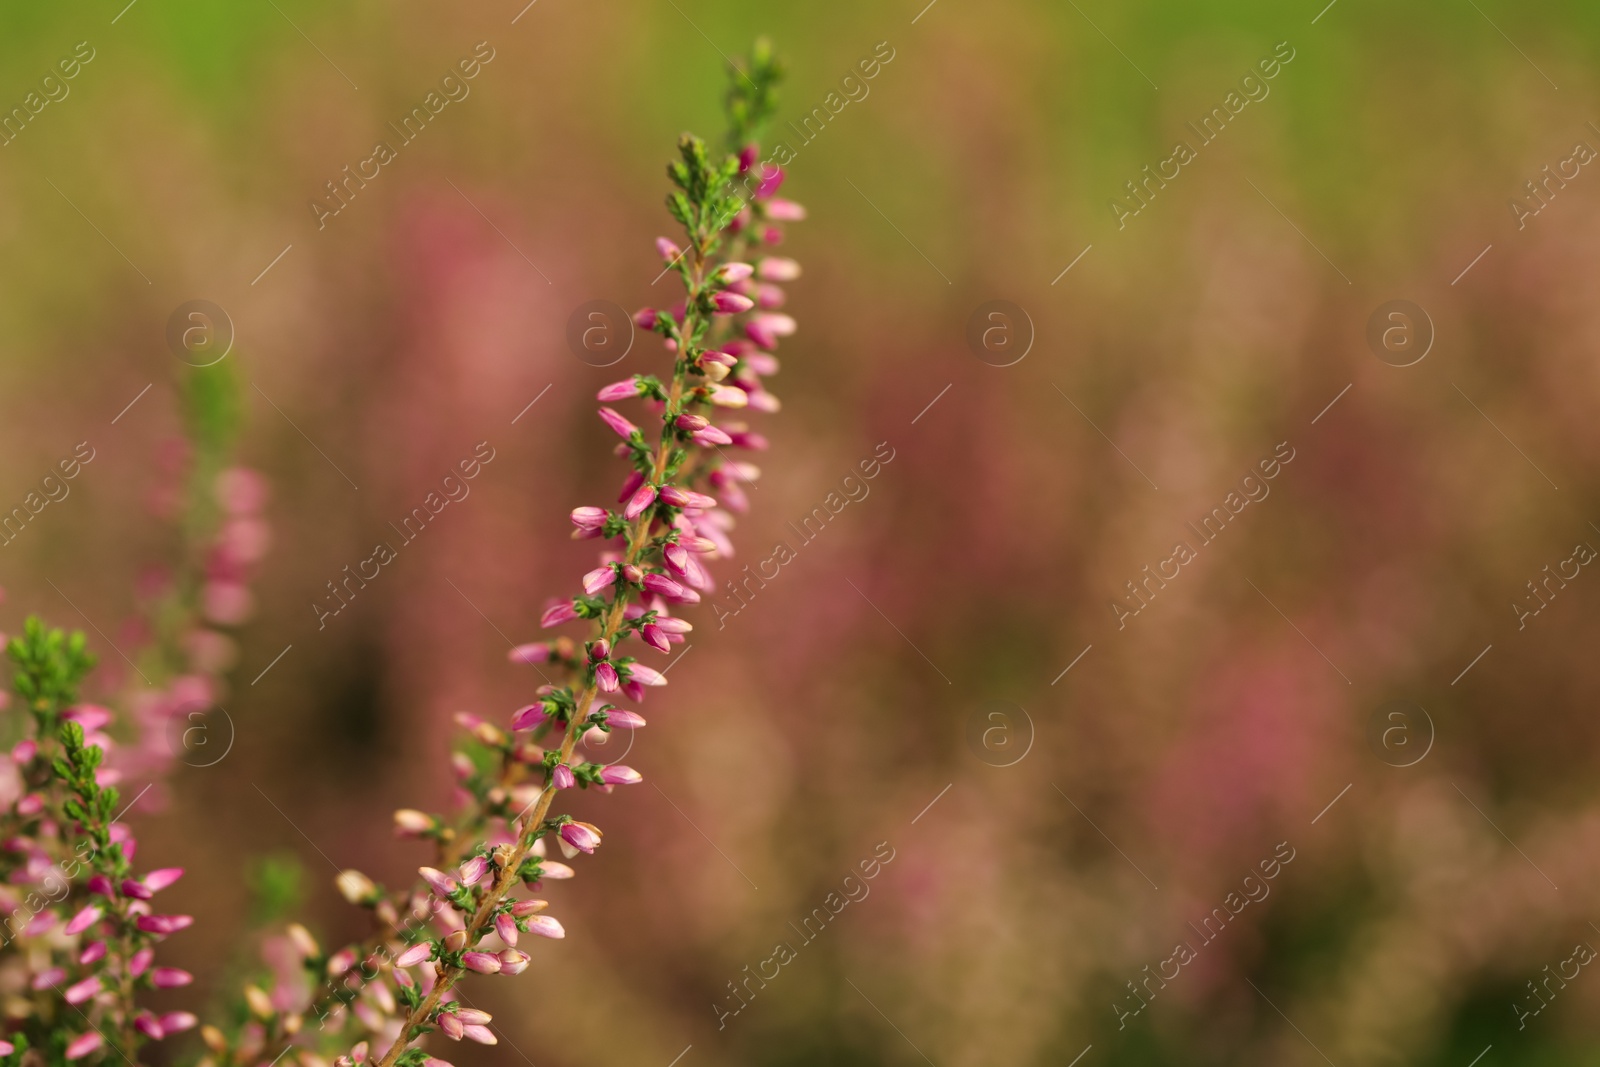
51, 664
752, 95
212, 407
276, 888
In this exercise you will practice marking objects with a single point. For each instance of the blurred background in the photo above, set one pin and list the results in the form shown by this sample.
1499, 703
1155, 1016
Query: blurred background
1344, 750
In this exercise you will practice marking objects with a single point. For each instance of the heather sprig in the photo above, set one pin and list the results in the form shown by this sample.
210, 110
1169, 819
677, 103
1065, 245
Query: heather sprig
472, 909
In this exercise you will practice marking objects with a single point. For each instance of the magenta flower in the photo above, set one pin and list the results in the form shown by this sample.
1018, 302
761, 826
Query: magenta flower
781, 210
625, 720
638, 672
83, 920
546, 925
414, 955
623, 390
727, 302
482, 962
562, 778
170, 977
529, 717
158, 880
79, 992
473, 870
441, 883
622, 426
585, 837
558, 613
642, 498
660, 583
711, 435
599, 578
605, 676
778, 269
83, 1044
618, 775
506, 926
655, 637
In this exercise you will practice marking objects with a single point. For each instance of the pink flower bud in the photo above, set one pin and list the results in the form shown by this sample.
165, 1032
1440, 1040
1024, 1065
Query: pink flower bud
79, 992
83, 920
473, 870
771, 178
623, 390
48, 977
529, 717
83, 1044
546, 925
441, 883
556, 871
660, 583
781, 210
158, 880
653, 636
638, 672
667, 250
729, 303
691, 422
748, 156
30, 805
646, 318
599, 578
482, 962
170, 977
600, 649
506, 927
711, 435
93, 954
619, 775
139, 962
482, 1035
619, 719
558, 613
642, 498
605, 676
450, 1025
673, 625
778, 269
589, 518
727, 396
164, 924
24, 751
622, 426
513, 961
408, 822
524, 908
149, 1026
414, 955
582, 836
729, 273
175, 1022
562, 777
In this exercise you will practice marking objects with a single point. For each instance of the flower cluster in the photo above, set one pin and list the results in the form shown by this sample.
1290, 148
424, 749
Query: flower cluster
82, 928
473, 909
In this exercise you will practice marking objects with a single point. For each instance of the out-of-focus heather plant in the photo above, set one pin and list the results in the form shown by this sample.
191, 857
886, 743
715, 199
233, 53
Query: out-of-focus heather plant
81, 929
472, 907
